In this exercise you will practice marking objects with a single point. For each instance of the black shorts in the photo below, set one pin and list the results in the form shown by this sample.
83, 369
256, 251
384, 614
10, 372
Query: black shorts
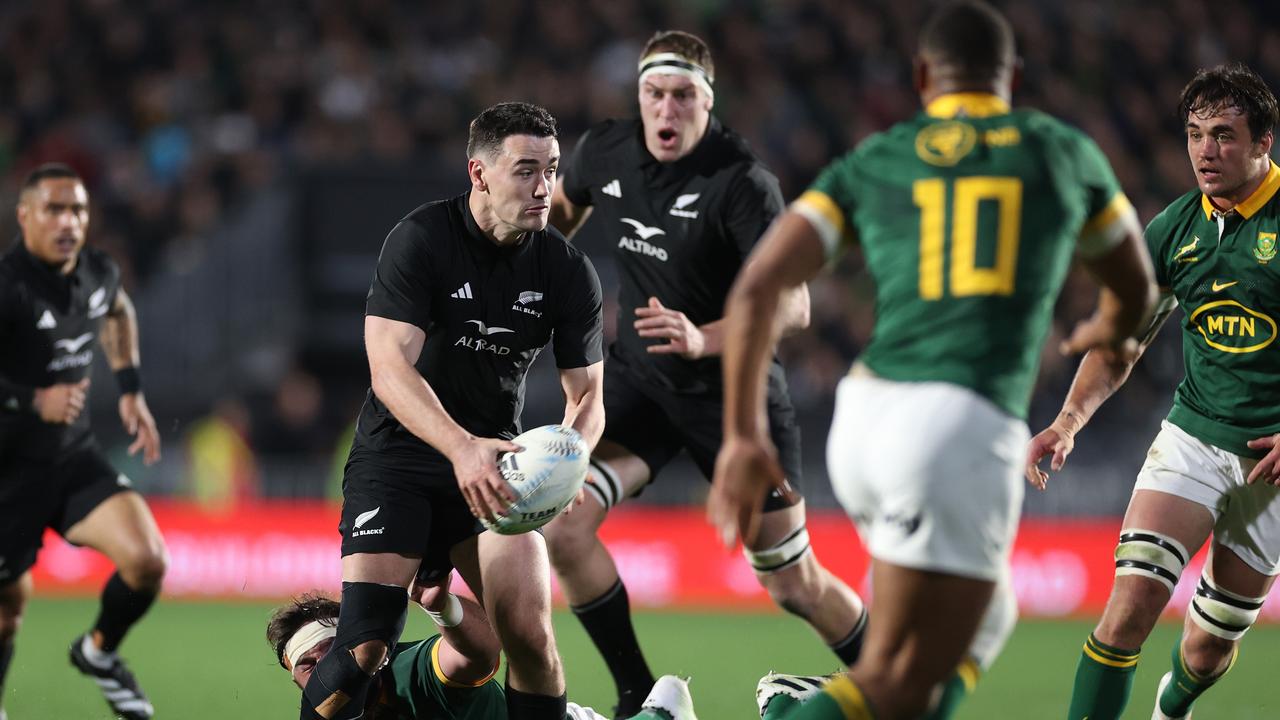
399, 510
654, 424
57, 494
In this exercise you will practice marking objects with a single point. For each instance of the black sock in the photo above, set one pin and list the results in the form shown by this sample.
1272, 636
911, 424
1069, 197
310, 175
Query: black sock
122, 606
607, 620
849, 648
6, 656
528, 706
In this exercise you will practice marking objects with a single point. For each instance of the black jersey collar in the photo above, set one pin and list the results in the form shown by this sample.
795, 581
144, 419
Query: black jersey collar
664, 172
483, 243
49, 273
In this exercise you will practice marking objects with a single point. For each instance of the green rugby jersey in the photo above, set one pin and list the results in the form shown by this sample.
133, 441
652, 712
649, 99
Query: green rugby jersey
1224, 271
968, 216
420, 690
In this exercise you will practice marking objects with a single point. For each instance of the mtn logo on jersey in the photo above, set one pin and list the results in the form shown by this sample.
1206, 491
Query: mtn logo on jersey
482, 345
683, 202
98, 303
612, 188
1228, 326
462, 293
641, 245
46, 321
363, 518
527, 298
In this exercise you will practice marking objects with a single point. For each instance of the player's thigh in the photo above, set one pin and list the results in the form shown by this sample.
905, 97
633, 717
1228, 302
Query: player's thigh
923, 625
30, 499
516, 579
14, 595
102, 511
930, 473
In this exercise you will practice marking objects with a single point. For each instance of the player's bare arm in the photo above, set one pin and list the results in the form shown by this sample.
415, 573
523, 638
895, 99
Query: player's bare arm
1100, 374
393, 348
790, 254
120, 345
584, 400
470, 651
566, 216
1125, 302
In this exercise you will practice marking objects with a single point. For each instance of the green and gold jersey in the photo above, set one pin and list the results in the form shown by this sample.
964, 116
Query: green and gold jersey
1224, 271
968, 216
419, 689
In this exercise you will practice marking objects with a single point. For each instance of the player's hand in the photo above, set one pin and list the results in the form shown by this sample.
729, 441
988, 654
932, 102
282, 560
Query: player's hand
1099, 333
1268, 468
61, 403
433, 596
682, 336
138, 422
1056, 440
476, 466
747, 469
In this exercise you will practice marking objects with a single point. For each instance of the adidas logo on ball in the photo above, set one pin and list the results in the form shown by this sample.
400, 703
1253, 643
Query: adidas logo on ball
546, 476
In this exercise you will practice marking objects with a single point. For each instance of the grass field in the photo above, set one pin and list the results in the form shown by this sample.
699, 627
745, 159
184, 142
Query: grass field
200, 661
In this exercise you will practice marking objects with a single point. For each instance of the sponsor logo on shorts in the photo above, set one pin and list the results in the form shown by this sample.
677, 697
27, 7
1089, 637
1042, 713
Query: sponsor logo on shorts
363, 518
1228, 326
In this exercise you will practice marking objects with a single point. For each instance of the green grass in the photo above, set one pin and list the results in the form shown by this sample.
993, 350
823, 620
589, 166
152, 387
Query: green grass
205, 660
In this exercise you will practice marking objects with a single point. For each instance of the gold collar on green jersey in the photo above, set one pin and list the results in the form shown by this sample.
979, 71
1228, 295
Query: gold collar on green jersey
970, 104
1254, 202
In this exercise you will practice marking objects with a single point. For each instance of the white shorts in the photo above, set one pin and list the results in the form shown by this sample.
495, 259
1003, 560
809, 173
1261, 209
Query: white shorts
1246, 518
930, 472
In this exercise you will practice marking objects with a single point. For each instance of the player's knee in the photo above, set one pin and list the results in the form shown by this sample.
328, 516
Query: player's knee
144, 567
370, 621
369, 655
1148, 565
788, 572
10, 622
1221, 614
569, 537
1207, 655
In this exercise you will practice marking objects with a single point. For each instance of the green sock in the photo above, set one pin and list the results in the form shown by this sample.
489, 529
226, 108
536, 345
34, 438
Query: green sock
955, 691
839, 700
780, 706
1104, 678
1185, 686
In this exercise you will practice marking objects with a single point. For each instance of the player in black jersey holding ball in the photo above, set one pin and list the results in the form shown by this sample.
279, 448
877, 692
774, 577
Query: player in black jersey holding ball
467, 292
687, 201
58, 300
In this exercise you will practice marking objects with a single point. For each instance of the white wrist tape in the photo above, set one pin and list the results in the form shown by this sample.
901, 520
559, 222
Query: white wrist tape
451, 616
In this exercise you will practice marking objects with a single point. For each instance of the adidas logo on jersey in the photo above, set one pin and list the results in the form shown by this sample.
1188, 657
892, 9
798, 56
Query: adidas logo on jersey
46, 321
462, 293
612, 188
684, 201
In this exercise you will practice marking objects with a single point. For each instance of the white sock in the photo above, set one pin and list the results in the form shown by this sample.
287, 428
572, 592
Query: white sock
96, 657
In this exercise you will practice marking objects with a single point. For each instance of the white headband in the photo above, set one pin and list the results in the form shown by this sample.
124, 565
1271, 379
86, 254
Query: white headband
675, 64
307, 637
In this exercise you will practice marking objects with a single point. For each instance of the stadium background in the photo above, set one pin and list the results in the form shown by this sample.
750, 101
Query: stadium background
246, 158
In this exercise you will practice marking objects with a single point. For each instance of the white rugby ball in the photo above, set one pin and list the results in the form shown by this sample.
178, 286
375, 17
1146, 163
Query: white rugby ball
546, 476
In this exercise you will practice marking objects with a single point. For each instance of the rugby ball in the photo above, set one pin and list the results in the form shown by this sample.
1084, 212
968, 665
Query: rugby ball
546, 476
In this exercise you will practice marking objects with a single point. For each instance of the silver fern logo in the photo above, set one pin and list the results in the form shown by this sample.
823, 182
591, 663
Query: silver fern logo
361, 520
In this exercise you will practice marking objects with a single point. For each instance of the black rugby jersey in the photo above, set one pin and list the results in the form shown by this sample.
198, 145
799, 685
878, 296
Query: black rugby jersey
681, 232
487, 312
49, 324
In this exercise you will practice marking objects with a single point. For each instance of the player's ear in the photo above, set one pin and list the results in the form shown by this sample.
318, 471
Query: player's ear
1265, 142
475, 171
1016, 81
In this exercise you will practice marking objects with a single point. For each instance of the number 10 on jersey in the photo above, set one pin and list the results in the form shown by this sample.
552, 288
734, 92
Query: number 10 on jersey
967, 279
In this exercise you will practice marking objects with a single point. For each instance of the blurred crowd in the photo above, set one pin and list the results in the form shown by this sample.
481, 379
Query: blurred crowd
177, 111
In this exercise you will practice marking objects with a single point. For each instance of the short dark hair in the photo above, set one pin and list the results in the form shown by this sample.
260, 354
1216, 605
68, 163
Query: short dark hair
286, 620
49, 171
970, 36
685, 44
503, 120
1232, 85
